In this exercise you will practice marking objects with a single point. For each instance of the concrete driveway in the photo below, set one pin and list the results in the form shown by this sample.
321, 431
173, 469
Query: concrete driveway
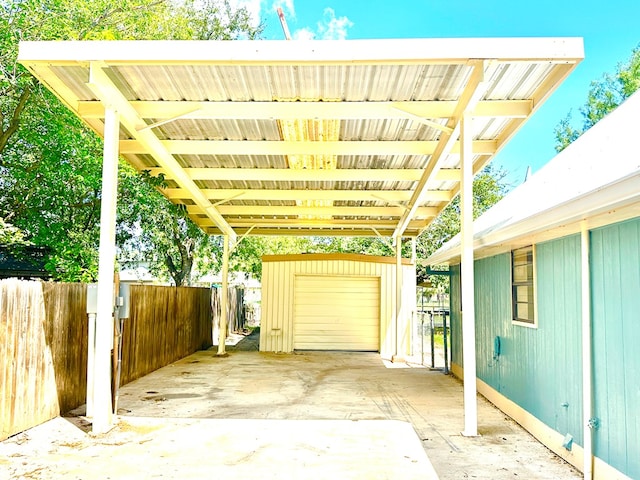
310, 414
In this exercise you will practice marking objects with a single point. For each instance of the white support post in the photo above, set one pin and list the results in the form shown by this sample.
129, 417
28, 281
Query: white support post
467, 280
398, 350
224, 300
102, 406
587, 394
91, 355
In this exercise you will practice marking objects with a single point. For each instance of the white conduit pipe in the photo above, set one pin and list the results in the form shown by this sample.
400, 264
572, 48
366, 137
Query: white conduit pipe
587, 386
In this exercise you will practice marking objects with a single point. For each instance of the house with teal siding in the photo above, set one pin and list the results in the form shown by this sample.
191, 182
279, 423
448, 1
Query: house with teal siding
557, 300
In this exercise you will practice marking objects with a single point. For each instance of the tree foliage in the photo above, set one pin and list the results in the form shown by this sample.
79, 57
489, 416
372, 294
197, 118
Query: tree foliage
605, 94
488, 189
50, 164
11, 237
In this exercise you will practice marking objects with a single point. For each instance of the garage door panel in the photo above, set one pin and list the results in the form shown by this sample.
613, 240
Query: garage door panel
350, 345
308, 322
345, 339
342, 315
337, 313
336, 328
355, 303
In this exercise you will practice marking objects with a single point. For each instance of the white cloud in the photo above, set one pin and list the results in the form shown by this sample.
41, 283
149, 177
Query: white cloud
332, 28
304, 34
329, 28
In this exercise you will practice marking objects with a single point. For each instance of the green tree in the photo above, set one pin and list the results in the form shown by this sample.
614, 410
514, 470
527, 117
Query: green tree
247, 257
604, 96
11, 237
488, 189
154, 232
50, 164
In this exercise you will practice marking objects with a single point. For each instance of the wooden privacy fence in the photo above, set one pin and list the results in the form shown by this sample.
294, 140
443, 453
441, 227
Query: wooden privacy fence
166, 324
43, 352
43, 342
237, 317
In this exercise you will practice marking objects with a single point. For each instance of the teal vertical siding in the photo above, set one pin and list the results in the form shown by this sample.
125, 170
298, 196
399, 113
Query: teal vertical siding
615, 259
557, 373
538, 368
493, 318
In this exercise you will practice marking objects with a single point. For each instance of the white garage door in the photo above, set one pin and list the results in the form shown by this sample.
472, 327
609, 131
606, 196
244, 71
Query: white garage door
336, 313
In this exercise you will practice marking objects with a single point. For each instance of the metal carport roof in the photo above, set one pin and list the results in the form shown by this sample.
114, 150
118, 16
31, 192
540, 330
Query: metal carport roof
356, 137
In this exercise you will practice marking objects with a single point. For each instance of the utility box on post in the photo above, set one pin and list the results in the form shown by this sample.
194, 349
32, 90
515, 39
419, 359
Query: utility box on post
124, 300
92, 298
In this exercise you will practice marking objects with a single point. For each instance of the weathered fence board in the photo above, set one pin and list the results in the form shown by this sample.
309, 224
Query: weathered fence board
66, 335
166, 324
236, 318
27, 379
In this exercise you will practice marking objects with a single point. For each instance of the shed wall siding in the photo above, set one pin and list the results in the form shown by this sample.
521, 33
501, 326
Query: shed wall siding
615, 278
278, 299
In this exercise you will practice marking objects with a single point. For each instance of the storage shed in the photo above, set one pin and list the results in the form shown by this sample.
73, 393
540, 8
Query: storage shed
557, 276
336, 302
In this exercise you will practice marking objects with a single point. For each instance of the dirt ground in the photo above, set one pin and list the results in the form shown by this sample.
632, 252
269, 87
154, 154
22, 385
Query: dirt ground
295, 413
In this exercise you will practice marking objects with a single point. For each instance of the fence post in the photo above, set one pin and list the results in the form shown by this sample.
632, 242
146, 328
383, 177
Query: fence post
224, 297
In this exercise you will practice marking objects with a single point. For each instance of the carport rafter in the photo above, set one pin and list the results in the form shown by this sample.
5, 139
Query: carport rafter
389, 196
100, 83
279, 147
289, 175
225, 110
471, 94
289, 210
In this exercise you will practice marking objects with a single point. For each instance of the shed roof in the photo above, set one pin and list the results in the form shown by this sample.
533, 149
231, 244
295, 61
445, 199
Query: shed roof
354, 137
595, 180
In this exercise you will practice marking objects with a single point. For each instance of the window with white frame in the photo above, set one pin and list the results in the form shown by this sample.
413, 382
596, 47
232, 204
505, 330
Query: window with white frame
522, 285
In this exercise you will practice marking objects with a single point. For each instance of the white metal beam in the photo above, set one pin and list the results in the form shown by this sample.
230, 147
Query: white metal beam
102, 405
301, 231
278, 147
224, 297
398, 351
329, 52
467, 283
470, 96
308, 175
273, 210
224, 110
312, 223
103, 87
293, 195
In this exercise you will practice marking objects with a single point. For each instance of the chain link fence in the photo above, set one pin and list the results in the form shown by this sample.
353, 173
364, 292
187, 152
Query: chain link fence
432, 335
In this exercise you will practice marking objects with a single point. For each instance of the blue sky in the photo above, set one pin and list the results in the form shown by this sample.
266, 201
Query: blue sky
610, 29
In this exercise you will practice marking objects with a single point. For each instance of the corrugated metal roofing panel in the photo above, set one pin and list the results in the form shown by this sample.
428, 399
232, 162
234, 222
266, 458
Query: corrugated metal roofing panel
193, 76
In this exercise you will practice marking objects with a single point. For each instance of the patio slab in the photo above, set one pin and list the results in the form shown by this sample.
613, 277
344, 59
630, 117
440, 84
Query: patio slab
147, 448
315, 414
